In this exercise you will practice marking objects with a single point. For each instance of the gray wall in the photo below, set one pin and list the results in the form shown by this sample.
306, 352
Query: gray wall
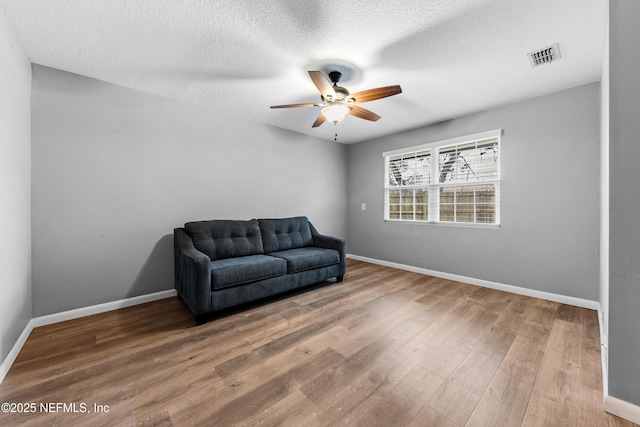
624, 225
15, 188
115, 170
548, 240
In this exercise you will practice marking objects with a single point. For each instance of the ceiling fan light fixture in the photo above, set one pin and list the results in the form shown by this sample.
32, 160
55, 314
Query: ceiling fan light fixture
337, 102
335, 113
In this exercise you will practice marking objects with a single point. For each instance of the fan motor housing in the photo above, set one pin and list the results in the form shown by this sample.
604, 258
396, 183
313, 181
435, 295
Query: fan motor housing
341, 92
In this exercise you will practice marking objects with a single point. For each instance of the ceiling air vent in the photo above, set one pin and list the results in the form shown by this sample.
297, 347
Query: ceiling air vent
544, 56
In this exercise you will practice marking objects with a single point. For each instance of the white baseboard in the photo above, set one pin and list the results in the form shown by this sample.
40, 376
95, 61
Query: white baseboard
15, 350
604, 353
101, 308
563, 299
622, 408
74, 314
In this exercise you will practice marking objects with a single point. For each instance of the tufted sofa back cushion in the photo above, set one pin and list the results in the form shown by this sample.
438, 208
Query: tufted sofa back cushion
285, 233
221, 239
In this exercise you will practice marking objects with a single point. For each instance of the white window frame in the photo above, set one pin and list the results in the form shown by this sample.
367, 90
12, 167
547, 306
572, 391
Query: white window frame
434, 186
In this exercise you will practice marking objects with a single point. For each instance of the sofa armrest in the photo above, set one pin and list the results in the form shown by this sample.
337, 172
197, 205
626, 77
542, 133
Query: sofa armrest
329, 242
192, 273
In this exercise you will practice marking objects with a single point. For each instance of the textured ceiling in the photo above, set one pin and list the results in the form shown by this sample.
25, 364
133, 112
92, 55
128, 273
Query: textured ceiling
451, 57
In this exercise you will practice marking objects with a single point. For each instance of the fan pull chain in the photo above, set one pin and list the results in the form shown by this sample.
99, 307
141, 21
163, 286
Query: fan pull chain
335, 138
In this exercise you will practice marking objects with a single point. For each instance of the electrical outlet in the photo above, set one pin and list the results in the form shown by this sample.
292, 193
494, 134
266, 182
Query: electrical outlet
364, 206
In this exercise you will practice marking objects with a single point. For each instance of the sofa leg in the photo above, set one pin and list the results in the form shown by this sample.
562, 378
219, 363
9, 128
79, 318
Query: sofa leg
340, 278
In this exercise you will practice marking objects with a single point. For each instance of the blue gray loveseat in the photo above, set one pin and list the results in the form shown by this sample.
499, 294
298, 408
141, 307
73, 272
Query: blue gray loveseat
224, 264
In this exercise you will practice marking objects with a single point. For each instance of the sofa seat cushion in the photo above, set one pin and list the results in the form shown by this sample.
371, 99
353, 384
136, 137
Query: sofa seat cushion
307, 258
236, 271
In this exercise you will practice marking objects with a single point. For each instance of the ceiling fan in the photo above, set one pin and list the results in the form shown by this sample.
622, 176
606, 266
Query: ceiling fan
337, 102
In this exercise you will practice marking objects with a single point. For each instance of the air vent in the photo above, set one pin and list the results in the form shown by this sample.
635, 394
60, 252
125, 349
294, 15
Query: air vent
544, 56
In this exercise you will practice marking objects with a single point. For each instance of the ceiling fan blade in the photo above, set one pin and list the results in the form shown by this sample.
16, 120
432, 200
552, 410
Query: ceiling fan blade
296, 105
373, 94
363, 113
320, 120
321, 82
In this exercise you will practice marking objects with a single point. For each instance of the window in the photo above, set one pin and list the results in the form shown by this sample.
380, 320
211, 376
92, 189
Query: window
453, 181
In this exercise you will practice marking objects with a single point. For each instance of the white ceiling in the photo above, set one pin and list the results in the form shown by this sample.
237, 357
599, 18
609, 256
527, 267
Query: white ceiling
451, 57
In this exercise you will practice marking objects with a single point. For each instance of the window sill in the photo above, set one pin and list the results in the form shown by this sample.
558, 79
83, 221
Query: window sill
442, 224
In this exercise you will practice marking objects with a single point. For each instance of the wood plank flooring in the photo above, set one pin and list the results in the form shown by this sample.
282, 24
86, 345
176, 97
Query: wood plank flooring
384, 348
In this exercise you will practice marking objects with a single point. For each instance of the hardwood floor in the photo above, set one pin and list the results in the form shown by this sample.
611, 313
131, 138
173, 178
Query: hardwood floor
384, 348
